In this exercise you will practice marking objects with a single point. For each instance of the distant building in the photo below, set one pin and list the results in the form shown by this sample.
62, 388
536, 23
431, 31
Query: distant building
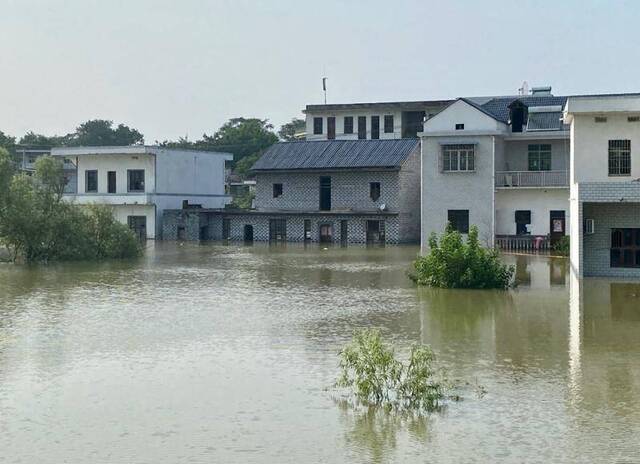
336, 191
140, 182
605, 184
28, 155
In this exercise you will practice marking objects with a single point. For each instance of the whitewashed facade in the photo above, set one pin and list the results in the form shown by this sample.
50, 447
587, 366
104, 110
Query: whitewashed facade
140, 182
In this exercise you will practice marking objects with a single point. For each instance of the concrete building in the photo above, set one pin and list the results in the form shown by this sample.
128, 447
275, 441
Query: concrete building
335, 191
140, 182
369, 121
605, 184
28, 155
500, 163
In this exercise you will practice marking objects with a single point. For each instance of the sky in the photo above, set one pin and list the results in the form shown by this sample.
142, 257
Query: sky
184, 67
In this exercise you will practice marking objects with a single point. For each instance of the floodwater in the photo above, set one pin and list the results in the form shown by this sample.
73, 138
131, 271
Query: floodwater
213, 353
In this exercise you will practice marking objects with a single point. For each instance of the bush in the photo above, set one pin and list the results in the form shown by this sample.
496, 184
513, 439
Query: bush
562, 246
370, 368
37, 226
455, 263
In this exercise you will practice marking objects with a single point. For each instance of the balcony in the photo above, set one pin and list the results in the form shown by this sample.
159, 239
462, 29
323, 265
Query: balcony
532, 179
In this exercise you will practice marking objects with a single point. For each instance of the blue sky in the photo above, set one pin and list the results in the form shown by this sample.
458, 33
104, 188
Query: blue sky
175, 68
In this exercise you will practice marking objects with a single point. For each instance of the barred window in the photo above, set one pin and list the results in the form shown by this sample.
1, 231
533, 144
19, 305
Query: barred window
540, 157
348, 124
388, 124
458, 158
619, 157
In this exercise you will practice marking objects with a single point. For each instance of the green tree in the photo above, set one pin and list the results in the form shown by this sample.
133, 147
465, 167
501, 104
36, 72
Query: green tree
289, 130
7, 142
100, 132
39, 140
240, 136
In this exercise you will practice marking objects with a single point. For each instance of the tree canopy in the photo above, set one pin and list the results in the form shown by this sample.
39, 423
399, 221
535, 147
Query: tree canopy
100, 132
289, 130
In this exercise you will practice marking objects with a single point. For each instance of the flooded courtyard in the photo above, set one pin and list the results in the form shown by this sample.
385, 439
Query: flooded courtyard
214, 353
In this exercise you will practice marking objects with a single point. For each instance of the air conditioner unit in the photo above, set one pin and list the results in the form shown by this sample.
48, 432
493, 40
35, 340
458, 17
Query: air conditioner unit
589, 226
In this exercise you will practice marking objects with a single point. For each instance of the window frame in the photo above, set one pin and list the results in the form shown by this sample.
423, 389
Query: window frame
277, 189
87, 172
375, 190
388, 124
347, 128
455, 154
618, 156
539, 156
130, 172
318, 125
620, 248
453, 218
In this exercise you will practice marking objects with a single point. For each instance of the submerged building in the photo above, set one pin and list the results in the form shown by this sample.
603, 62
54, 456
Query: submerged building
331, 191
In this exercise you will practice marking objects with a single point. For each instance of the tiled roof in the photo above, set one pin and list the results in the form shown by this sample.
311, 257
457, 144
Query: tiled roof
499, 107
336, 154
403, 105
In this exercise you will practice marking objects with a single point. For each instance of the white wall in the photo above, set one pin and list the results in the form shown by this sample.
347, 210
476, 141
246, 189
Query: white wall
539, 201
122, 213
339, 115
189, 172
461, 112
590, 147
118, 163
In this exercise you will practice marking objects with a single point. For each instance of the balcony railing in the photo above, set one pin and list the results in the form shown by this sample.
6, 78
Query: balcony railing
532, 179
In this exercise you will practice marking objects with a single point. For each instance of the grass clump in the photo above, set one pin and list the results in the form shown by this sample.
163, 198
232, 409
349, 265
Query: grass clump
376, 377
562, 246
453, 262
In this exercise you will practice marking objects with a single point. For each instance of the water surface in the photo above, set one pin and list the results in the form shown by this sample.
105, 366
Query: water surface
213, 353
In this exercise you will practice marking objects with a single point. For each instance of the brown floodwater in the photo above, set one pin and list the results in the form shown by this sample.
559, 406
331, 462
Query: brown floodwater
213, 353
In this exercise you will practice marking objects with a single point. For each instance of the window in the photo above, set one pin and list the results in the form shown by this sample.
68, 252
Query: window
277, 190
135, 180
459, 220
459, 126
374, 190
91, 181
633, 119
523, 219
331, 128
619, 157
348, 124
278, 230
388, 124
600, 119
458, 158
325, 193
317, 126
375, 127
625, 247
540, 157
362, 127
111, 182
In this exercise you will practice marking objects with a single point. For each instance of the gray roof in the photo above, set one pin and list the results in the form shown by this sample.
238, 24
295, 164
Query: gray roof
336, 154
499, 107
403, 105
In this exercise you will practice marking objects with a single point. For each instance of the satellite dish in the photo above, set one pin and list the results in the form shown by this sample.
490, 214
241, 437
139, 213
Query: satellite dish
382, 207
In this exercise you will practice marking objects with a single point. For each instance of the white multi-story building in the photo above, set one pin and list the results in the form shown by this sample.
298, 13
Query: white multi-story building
140, 182
371, 121
605, 184
500, 163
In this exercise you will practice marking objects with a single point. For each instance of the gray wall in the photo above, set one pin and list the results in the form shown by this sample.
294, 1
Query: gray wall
442, 191
516, 156
409, 198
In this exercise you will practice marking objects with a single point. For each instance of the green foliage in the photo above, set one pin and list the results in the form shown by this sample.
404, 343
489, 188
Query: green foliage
100, 132
7, 142
243, 201
455, 263
289, 130
39, 140
39, 227
562, 247
370, 368
244, 165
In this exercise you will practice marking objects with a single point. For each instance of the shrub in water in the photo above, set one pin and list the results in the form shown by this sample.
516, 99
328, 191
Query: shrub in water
370, 368
562, 246
455, 263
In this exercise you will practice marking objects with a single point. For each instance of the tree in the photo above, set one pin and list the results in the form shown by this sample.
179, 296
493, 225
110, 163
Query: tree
240, 136
289, 130
6, 141
39, 140
100, 132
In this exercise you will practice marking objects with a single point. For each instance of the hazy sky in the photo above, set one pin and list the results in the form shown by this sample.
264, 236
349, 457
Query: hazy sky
170, 68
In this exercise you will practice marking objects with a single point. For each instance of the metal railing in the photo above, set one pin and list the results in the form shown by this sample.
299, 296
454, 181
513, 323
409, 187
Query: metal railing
532, 178
523, 243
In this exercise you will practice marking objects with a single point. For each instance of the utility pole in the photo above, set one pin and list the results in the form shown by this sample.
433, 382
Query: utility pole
324, 89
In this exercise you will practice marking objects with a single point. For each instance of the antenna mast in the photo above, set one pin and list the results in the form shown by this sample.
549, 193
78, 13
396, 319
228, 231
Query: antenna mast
324, 89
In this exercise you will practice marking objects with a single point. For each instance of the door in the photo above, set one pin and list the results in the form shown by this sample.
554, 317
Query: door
226, 229
557, 226
375, 232
307, 230
277, 230
138, 224
325, 193
523, 219
362, 127
375, 127
344, 232
248, 233
331, 128
326, 233
111, 182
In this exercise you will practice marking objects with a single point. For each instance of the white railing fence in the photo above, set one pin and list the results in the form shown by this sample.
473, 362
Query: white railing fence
532, 178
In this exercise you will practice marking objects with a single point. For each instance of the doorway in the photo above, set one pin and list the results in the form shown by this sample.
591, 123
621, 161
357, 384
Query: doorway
331, 127
248, 233
138, 224
557, 227
375, 232
523, 220
344, 232
325, 193
326, 233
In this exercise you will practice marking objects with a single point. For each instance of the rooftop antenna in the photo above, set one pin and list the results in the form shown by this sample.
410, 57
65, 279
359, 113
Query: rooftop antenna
324, 89
524, 90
